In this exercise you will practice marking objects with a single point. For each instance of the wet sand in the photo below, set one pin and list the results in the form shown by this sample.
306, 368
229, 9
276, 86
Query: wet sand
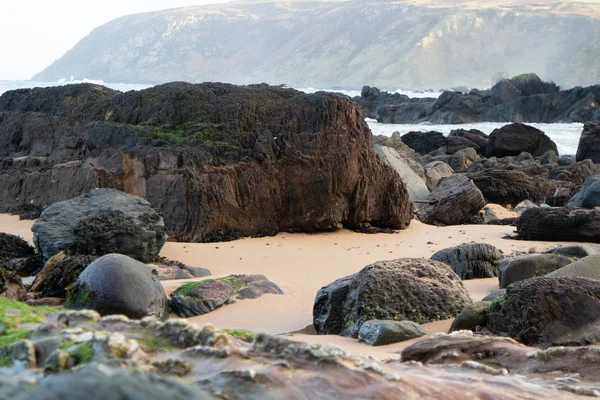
302, 263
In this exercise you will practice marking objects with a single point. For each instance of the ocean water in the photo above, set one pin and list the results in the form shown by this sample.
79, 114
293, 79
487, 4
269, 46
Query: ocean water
566, 136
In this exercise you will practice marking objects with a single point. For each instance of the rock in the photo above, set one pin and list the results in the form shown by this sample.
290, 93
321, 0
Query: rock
101, 222
411, 157
197, 298
549, 311
475, 136
472, 318
428, 142
471, 260
435, 172
17, 255
417, 189
559, 224
576, 250
170, 272
59, 273
198, 272
117, 284
506, 187
201, 162
23, 351
587, 267
381, 333
416, 290
589, 195
11, 285
549, 158
454, 201
527, 266
99, 382
589, 143
494, 295
512, 140
524, 206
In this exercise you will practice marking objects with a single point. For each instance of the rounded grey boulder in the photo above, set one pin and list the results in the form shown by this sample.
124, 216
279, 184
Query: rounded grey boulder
529, 266
381, 333
471, 260
100, 222
117, 284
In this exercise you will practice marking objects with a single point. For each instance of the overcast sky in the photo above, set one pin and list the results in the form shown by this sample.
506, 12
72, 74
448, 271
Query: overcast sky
34, 33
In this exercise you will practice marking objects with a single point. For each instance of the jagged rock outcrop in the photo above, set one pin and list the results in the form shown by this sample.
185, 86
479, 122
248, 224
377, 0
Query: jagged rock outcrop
415, 290
455, 200
589, 143
217, 161
538, 102
101, 222
559, 224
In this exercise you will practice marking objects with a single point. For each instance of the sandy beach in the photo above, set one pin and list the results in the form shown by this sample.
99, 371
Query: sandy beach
302, 263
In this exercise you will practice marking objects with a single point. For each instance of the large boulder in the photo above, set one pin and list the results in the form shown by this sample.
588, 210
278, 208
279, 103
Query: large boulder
435, 171
118, 284
427, 142
576, 250
18, 256
589, 195
476, 136
587, 267
589, 143
412, 158
201, 297
528, 266
513, 139
454, 201
217, 161
417, 189
549, 311
416, 290
560, 225
471, 260
101, 222
506, 187
381, 333
59, 272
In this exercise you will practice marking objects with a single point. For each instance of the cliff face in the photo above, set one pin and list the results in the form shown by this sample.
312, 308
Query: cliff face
422, 44
218, 161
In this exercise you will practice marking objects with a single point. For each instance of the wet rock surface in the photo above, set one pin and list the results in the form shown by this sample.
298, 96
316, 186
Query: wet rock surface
381, 333
197, 298
101, 222
117, 284
472, 260
528, 266
416, 290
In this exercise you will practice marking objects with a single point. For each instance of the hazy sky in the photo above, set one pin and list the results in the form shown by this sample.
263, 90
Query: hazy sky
34, 33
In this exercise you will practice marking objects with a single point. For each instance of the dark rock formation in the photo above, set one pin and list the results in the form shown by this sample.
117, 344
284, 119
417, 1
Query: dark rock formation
11, 285
381, 333
512, 140
197, 298
576, 250
428, 142
101, 222
589, 195
589, 143
471, 260
472, 318
528, 266
18, 256
454, 201
479, 138
217, 161
435, 171
505, 102
59, 272
548, 311
506, 187
560, 224
416, 290
117, 284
